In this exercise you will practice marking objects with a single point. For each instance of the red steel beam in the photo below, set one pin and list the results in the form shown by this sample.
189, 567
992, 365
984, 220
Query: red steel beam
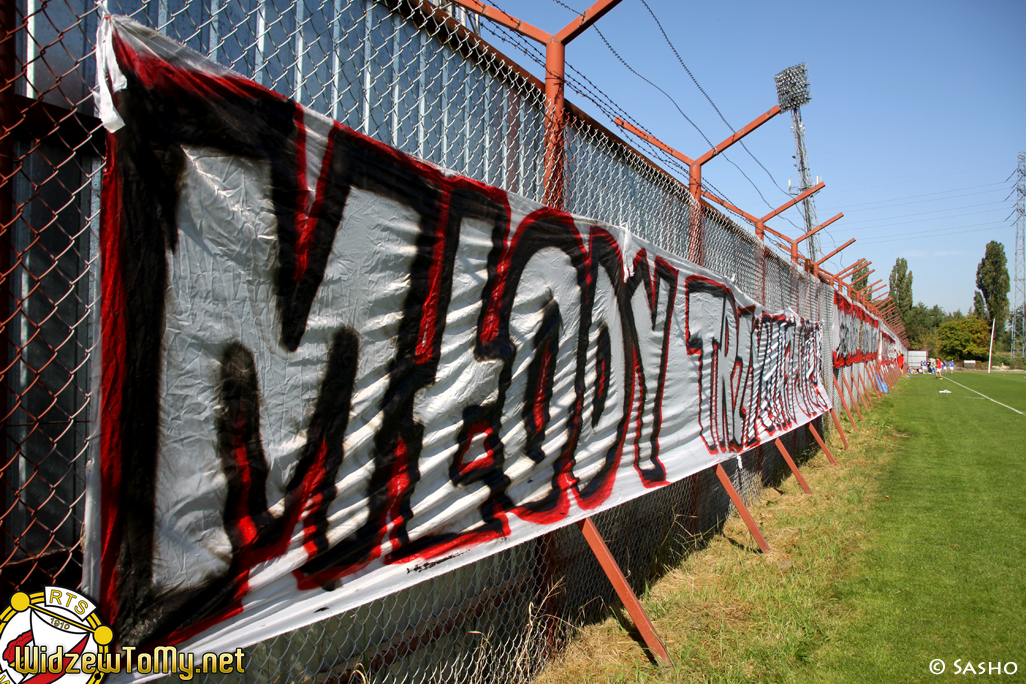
647, 137
724, 203
822, 444
844, 271
760, 221
555, 67
500, 17
794, 200
837, 423
624, 591
842, 247
751, 126
742, 510
587, 18
792, 465
695, 229
855, 398
844, 403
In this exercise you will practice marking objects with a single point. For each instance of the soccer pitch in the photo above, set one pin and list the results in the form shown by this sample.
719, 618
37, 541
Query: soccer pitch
1007, 388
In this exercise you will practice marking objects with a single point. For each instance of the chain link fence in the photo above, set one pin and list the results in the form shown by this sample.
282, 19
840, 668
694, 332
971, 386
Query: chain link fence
404, 74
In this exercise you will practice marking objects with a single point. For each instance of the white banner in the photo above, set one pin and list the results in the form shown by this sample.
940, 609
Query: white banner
332, 371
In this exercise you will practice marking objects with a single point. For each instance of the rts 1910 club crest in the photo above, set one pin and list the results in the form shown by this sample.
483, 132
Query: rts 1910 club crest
50, 636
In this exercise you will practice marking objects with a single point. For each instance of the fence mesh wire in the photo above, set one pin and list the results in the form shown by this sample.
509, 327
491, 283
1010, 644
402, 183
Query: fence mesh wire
399, 73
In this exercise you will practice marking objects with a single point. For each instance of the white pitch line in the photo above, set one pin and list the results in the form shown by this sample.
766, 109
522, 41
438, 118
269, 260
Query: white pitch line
986, 397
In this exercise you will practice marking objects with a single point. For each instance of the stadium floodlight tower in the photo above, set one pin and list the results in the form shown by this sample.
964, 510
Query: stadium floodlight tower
792, 93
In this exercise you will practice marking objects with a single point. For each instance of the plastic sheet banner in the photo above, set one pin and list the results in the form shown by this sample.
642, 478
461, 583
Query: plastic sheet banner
892, 352
331, 371
857, 333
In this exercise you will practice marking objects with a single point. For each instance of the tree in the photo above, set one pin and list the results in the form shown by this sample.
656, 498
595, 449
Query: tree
993, 283
901, 290
860, 278
963, 338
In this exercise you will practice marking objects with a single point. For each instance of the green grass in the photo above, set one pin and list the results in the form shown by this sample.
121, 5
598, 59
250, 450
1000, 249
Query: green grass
914, 549
945, 573
1008, 388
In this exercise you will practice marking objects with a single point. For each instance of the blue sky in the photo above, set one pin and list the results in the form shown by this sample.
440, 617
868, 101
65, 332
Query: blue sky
917, 116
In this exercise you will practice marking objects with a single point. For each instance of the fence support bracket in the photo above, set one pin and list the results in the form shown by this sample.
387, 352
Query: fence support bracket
624, 591
844, 403
739, 504
792, 465
822, 444
854, 397
837, 424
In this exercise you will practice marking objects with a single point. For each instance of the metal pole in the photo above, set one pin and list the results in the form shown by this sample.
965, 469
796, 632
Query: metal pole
742, 510
624, 591
844, 403
555, 64
695, 228
837, 424
8, 119
822, 444
792, 465
990, 355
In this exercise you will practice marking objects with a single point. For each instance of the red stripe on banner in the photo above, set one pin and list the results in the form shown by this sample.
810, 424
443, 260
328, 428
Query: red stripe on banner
310, 527
247, 528
397, 485
46, 677
156, 74
112, 354
429, 316
304, 238
304, 222
488, 461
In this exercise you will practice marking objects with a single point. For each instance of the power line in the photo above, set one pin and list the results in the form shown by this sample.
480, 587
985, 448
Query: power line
708, 141
908, 179
706, 95
920, 235
604, 102
939, 192
888, 220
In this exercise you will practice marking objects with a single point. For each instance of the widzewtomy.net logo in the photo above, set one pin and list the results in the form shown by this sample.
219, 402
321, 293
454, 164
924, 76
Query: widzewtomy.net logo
55, 635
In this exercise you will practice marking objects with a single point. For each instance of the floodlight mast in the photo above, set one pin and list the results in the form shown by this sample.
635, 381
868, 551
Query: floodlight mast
793, 92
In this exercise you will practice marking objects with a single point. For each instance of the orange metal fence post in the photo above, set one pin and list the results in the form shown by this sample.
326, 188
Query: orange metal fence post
871, 373
822, 444
837, 424
555, 177
742, 510
881, 375
865, 390
860, 393
844, 403
792, 465
555, 68
555, 195
853, 395
869, 385
695, 228
624, 591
